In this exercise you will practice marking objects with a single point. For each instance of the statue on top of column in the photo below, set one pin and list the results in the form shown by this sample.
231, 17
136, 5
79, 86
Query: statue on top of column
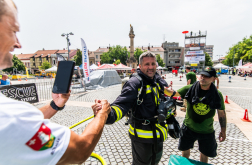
131, 30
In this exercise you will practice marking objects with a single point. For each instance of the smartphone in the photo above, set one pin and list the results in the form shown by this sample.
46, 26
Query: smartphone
63, 77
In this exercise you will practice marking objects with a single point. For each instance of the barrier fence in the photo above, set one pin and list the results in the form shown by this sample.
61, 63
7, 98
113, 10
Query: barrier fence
44, 87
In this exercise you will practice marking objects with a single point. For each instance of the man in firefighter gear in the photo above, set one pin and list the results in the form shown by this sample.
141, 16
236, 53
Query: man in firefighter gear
141, 96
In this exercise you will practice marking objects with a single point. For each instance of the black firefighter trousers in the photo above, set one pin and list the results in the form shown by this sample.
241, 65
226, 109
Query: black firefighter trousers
143, 153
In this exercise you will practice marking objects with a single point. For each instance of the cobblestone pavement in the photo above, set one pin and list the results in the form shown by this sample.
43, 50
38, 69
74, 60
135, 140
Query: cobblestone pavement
114, 145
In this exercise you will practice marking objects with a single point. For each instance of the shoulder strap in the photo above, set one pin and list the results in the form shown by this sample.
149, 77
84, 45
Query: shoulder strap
140, 91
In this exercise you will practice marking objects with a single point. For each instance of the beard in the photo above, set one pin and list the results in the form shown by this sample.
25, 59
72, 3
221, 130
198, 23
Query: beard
6, 60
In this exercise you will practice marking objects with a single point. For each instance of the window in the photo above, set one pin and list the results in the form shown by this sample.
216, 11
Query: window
96, 56
28, 64
177, 61
54, 62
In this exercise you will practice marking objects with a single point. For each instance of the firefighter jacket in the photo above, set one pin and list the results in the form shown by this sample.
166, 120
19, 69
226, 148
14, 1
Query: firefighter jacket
146, 110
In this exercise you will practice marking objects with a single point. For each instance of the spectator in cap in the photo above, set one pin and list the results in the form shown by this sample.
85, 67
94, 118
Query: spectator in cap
203, 99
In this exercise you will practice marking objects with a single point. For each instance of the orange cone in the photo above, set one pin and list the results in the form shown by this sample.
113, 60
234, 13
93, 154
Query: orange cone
26, 79
246, 118
226, 100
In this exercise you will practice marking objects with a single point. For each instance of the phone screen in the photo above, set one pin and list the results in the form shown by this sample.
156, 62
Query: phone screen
63, 77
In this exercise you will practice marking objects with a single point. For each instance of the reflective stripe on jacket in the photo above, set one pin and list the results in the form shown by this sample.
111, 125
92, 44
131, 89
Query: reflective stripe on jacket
146, 110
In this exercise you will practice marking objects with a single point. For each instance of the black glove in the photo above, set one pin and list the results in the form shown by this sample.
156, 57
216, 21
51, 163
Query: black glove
173, 126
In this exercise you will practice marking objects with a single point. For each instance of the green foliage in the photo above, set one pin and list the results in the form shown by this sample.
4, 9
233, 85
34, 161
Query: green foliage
241, 50
160, 60
115, 53
45, 65
78, 58
137, 54
16, 64
117, 62
208, 61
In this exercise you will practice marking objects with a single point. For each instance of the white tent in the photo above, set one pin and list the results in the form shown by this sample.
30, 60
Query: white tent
220, 65
160, 67
93, 67
52, 69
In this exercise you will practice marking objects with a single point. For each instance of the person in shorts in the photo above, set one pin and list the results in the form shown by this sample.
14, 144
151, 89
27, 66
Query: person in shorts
203, 99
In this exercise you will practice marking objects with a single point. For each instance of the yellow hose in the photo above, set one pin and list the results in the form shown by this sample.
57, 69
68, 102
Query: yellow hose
81, 122
93, 154
99, 158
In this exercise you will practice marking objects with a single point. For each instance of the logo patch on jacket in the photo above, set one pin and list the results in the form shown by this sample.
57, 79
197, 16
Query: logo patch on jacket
42, 140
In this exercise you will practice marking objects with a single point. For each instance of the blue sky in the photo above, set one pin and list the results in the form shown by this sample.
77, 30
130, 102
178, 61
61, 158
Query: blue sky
101, 23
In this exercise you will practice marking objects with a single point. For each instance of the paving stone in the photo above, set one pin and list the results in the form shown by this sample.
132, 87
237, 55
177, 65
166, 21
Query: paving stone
115, 145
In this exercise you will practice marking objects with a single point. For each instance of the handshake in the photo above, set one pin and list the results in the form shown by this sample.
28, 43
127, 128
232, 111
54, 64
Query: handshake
101, 107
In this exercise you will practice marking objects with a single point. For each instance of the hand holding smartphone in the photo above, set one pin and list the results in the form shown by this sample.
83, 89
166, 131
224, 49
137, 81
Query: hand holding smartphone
63, 77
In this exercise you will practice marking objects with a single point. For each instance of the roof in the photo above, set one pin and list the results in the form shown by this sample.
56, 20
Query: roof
44, 53
152, 48
24, 56
72, 53
102, 50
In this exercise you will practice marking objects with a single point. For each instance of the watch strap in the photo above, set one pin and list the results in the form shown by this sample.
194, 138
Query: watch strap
55, 107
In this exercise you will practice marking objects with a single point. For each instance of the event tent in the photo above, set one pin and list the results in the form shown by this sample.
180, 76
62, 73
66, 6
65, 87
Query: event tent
93, 67
160, 67
121, 67
52, 69
106, 67
220, 66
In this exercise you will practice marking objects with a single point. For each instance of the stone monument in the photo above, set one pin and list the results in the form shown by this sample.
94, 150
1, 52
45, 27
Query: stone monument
132, 62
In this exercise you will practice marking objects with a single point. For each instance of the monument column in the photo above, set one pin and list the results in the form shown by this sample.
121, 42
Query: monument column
132, 62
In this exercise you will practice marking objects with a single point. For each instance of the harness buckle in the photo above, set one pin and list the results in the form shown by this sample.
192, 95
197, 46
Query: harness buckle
146, 122
139, 101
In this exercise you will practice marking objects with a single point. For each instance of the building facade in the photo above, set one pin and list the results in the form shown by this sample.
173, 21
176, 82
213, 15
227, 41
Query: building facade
25, 59
209, 50
50, 56
173, 55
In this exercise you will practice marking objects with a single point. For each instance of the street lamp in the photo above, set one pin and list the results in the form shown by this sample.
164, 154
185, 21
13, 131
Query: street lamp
68, 43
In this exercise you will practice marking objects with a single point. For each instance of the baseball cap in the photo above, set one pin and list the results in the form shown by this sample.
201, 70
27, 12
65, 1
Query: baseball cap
209, 72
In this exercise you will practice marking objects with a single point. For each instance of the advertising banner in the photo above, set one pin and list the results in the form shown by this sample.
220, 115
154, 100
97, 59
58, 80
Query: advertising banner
22, 92
85, 61
195, 52
198, 57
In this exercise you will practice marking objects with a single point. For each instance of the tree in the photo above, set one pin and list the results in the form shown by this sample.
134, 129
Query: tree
241, 50
208, 61
160, 60
16, 64
78, 58
137, 54
45, 65
115, 53
117, 62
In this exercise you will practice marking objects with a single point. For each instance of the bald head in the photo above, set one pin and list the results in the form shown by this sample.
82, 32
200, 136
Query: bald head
4, 4
8, 27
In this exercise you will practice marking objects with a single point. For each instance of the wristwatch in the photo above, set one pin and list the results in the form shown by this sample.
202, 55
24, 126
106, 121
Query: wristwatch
55, 107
